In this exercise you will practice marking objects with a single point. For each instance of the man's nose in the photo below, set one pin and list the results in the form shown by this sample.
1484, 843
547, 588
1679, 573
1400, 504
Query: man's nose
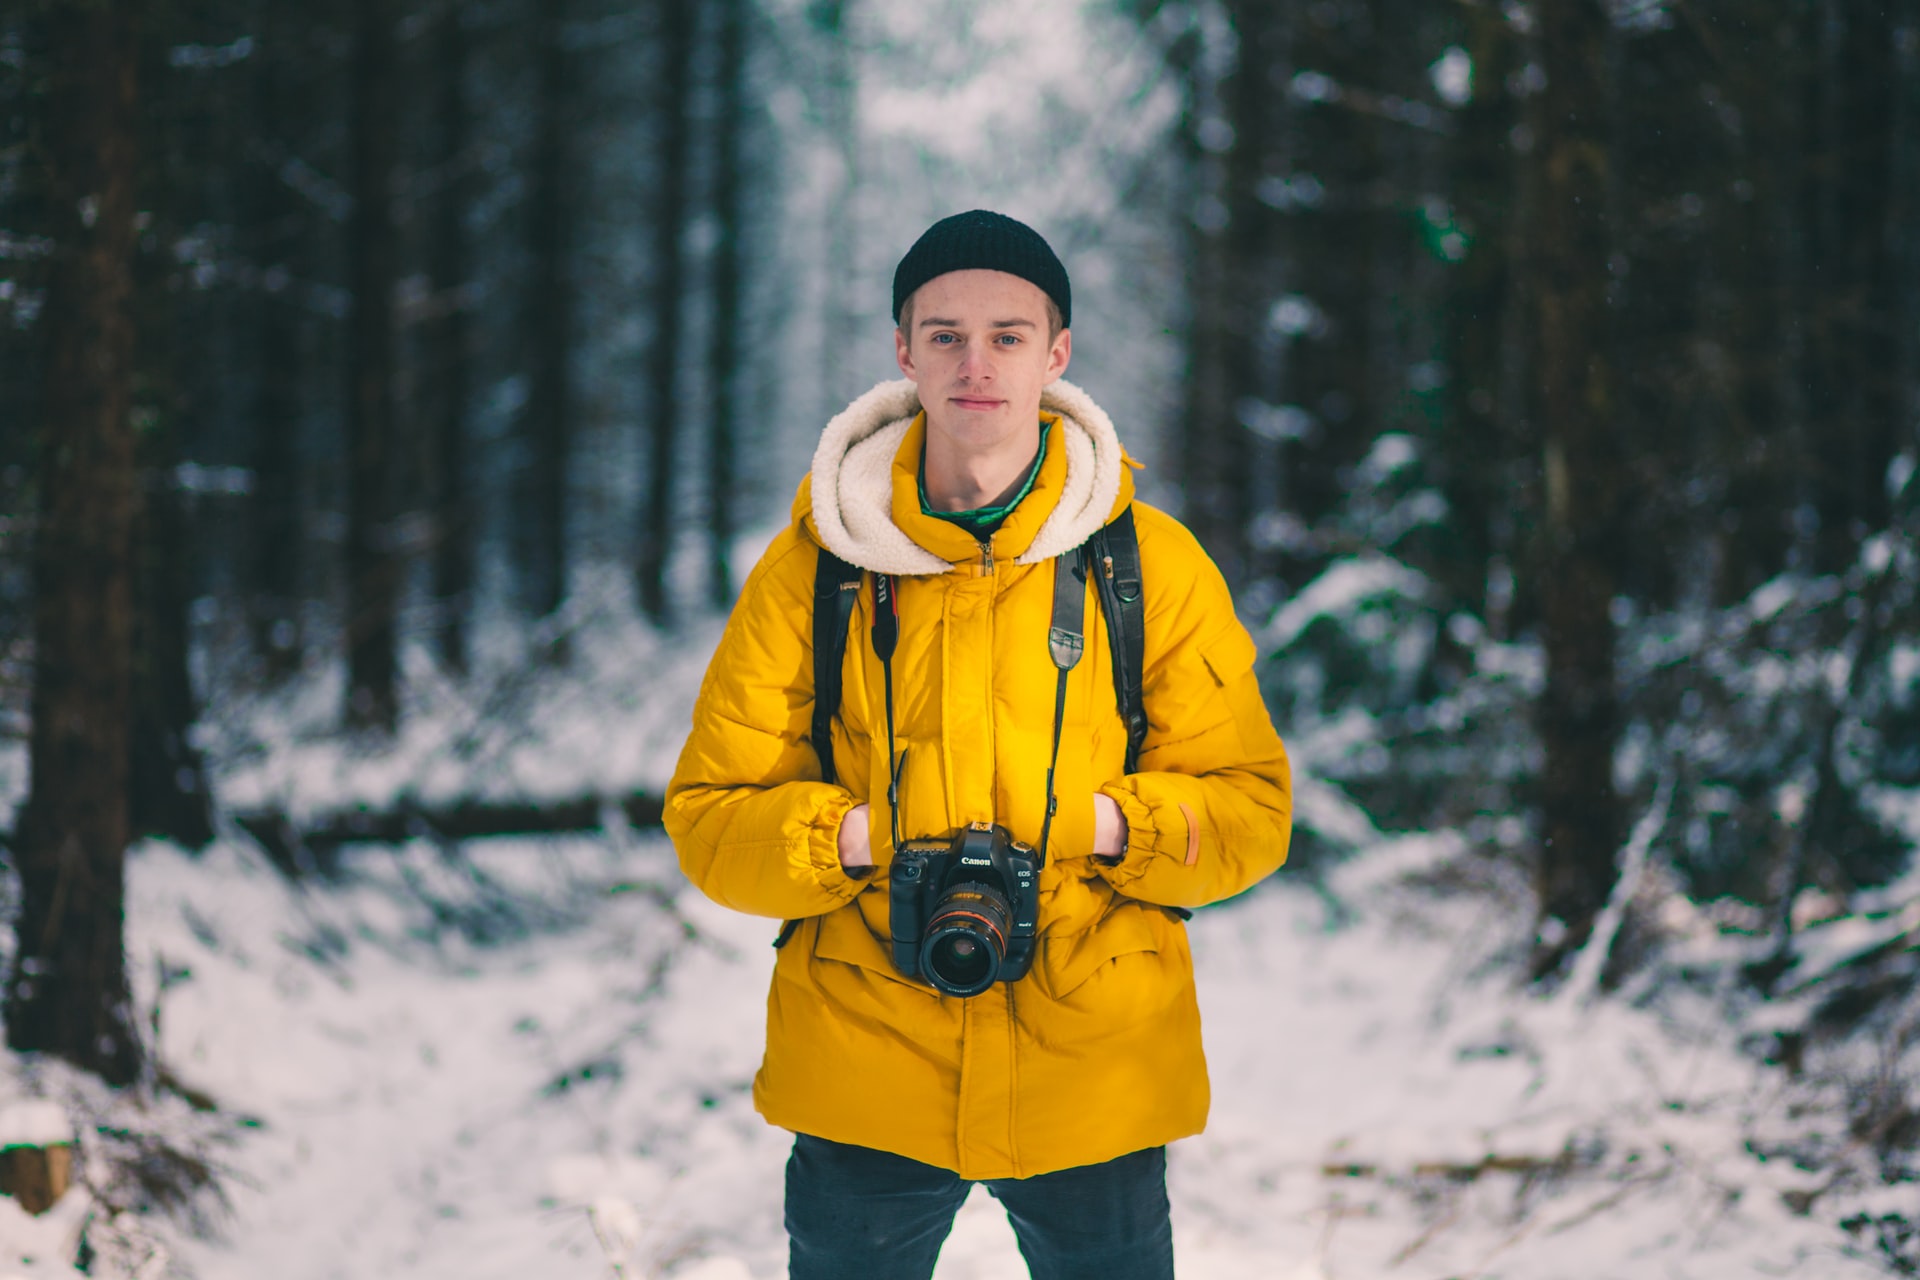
974, 362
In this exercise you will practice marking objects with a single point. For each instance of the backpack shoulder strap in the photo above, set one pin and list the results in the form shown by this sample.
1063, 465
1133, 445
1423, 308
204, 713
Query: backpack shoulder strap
1116, 565
836, 585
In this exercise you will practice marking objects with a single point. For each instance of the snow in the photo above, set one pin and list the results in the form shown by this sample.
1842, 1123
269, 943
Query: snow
1324, 809
1344, 586
532, 1057
1772, 596
1452, 76
607, 721
1371, 1049
1584, 982
33, 1123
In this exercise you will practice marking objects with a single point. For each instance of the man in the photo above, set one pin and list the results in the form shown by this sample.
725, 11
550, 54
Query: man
957, 492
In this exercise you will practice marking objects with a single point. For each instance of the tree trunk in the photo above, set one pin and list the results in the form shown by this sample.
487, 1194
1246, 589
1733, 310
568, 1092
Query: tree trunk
723, 350
67, 994
169, 794
546, 423
1853, 397
168, 788
452, 265
831, 21
663, 356
274, 508
373, 567
1573, 404
1478, 442
1212, 461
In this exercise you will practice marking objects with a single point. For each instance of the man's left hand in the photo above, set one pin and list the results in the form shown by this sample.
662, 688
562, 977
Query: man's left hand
1109, 828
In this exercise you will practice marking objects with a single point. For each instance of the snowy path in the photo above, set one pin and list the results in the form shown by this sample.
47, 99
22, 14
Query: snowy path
443, 1092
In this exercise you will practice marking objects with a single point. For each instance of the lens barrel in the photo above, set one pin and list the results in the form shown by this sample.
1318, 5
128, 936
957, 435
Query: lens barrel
966, 939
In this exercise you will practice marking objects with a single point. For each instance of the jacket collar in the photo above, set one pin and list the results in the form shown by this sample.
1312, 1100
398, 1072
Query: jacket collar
862, 495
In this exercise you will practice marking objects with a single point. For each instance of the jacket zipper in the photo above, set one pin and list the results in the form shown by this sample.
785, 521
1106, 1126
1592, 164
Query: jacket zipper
986, 555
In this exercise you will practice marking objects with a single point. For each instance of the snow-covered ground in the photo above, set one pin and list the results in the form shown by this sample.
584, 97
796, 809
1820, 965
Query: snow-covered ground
531, 1057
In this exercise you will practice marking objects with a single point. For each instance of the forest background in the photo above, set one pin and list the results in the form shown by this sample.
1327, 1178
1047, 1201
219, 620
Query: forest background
1544, 377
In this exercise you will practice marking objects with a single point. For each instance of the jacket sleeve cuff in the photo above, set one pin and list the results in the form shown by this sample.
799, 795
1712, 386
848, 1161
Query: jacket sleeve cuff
1145, 839
823, 848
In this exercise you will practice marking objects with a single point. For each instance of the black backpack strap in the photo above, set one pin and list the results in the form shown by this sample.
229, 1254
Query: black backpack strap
1116, 558
836, 585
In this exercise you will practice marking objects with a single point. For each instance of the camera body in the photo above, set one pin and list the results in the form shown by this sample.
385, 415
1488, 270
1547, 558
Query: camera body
966, 909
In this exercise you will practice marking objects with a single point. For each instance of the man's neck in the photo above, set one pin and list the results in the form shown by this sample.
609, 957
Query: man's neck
957, 479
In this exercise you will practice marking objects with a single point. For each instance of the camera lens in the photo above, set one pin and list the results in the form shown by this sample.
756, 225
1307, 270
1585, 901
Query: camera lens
966, 939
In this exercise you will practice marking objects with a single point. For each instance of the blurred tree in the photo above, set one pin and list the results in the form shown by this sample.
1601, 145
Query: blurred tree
372, 563
275, 232
169, 793
1850, 310
1482, 455
67, 993
450, 338
187, 313
1343, 197
546, 420
723, 332
1577, 564
22, 278
673, 206
1224, 127
832, 24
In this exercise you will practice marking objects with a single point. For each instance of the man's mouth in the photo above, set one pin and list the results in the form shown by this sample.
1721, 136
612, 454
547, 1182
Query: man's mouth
975, 402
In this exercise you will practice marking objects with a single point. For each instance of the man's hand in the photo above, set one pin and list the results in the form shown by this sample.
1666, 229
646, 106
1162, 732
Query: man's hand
1109, 828
856, 843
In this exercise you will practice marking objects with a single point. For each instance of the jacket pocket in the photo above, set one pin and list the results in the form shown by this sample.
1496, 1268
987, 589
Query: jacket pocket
843, 936
1067, 963
1230, 657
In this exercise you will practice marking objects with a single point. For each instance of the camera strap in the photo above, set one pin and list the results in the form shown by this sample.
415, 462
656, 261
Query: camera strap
886, 635
1066, 640
1066, 637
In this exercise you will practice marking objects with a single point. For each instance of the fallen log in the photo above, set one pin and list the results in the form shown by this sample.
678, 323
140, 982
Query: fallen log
313, 846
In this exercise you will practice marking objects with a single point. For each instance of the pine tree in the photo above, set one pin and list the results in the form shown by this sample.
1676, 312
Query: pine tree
373, 564
68, 993
1577, 569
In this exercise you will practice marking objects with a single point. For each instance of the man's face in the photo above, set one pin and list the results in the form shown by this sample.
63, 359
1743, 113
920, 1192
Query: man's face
980, 352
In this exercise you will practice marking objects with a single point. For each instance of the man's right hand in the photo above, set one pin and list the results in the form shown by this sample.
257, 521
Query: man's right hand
856, 843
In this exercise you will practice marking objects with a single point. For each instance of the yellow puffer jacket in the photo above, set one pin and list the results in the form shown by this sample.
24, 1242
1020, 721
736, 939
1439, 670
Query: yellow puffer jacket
1096, 1052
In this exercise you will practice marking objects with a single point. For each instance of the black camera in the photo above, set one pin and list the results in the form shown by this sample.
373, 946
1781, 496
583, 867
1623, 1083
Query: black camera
965, 909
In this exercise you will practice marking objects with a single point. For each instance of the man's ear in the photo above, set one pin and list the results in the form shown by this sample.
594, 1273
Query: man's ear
903, 355
1060, 354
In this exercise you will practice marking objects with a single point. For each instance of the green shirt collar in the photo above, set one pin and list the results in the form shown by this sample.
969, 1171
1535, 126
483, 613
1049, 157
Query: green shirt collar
981, 522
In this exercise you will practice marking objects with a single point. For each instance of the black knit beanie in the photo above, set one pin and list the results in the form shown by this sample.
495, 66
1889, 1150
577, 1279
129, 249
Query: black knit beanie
981, 238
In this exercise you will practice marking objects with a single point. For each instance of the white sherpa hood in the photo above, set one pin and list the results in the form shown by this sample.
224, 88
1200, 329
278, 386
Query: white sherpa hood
852, 480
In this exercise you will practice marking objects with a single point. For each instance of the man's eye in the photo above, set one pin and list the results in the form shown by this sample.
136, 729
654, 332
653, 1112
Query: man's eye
1009, 339
943, 339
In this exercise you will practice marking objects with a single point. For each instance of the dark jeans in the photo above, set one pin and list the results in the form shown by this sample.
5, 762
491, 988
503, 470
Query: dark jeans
858, 1213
